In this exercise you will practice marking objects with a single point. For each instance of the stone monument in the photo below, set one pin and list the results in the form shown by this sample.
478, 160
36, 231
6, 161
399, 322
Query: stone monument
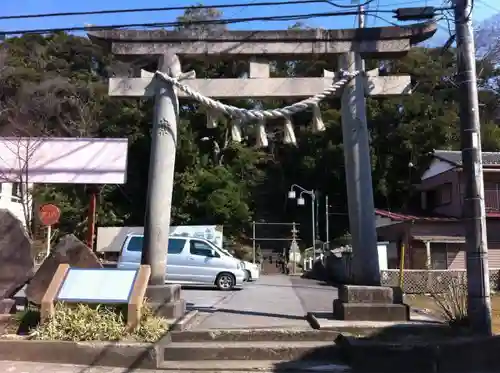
70, 250
16, 259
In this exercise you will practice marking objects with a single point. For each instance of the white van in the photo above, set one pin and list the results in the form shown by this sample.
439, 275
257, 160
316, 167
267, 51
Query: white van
252, 269
190, 261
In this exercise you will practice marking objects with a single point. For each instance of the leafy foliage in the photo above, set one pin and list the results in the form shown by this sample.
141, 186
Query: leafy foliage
82, 322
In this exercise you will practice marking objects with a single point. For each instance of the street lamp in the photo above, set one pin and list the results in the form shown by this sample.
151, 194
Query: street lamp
302, 202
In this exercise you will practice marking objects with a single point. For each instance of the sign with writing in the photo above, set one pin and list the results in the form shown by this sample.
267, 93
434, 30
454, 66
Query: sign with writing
99, 285
49, 214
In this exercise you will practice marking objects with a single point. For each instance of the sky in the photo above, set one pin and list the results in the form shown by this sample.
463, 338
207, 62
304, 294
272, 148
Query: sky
482, 10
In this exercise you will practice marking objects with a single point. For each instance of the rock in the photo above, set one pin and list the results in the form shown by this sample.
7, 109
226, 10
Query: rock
70, 250
16, 260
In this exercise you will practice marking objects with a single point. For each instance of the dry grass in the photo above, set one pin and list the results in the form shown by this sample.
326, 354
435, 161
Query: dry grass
426, 302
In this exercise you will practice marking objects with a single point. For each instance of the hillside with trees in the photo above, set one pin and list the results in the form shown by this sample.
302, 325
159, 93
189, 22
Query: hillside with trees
56, 85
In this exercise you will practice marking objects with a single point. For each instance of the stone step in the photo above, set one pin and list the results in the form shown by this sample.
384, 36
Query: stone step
281, 351
262, 366
370, 311
254, 335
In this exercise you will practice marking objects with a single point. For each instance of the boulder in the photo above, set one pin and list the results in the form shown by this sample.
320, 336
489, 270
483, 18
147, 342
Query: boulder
16, 259
70, 250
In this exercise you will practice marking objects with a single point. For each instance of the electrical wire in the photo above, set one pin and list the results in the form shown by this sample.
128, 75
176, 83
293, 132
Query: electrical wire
349, 6
293, 17
160, 9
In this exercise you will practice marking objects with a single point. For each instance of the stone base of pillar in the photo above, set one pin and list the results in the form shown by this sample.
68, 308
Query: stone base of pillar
370, 303
165, 300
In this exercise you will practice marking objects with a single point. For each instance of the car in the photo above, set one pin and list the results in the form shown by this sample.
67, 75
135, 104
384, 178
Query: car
190, 261
252, 269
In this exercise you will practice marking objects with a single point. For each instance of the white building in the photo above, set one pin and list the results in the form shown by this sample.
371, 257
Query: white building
11, 199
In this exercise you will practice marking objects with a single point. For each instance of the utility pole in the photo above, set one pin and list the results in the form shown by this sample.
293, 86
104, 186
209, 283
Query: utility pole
313, 212
253, 241
358, 172
161, 173
478, 285
316, 218
327, 222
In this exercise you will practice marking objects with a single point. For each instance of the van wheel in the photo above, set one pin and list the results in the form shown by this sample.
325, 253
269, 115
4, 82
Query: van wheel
225, 281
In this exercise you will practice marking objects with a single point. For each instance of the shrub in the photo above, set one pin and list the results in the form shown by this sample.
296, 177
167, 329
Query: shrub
452, 303
82, 322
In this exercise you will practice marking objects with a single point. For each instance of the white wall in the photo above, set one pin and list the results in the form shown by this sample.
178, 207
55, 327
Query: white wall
12, 202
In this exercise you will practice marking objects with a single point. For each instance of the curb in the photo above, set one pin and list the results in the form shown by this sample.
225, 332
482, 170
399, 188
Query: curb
115, 354
254, 335
118, 354
346, 329
185, 321
461, 355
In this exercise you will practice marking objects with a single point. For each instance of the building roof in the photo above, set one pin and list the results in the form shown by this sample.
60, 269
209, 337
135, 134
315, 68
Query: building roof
455, 157
398, 216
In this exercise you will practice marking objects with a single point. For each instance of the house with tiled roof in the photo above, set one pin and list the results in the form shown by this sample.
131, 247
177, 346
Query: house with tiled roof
433, 236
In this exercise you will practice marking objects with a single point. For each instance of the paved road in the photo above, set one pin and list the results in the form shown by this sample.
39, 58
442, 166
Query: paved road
272, 301
314, 295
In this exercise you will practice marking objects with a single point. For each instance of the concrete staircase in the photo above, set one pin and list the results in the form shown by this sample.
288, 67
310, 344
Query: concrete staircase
251, 350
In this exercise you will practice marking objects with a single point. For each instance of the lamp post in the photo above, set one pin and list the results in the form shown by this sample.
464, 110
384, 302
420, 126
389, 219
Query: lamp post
301, 202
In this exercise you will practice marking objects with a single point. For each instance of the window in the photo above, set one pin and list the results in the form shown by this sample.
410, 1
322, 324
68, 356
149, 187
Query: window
202, 249
175, 245
442, 195
135, 243
439, 257
445, 194
16, 192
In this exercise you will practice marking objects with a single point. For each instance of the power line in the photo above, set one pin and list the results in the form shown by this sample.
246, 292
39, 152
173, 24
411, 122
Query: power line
293, 17
160, 9
349, 6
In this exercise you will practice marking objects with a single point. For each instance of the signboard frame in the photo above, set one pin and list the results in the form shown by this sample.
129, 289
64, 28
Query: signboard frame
135, 301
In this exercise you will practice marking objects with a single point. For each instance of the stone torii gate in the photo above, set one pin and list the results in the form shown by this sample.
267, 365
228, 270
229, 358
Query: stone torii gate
259, 47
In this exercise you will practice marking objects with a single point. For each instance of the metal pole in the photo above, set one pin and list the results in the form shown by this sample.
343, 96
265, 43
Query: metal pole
253, 240
478, 285
358, 175
313, 217
316, 217
161, 173
91, 218
327, 222
49, 241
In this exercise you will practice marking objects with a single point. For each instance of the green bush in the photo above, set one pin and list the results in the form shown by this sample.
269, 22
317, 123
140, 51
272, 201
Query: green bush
82, 322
